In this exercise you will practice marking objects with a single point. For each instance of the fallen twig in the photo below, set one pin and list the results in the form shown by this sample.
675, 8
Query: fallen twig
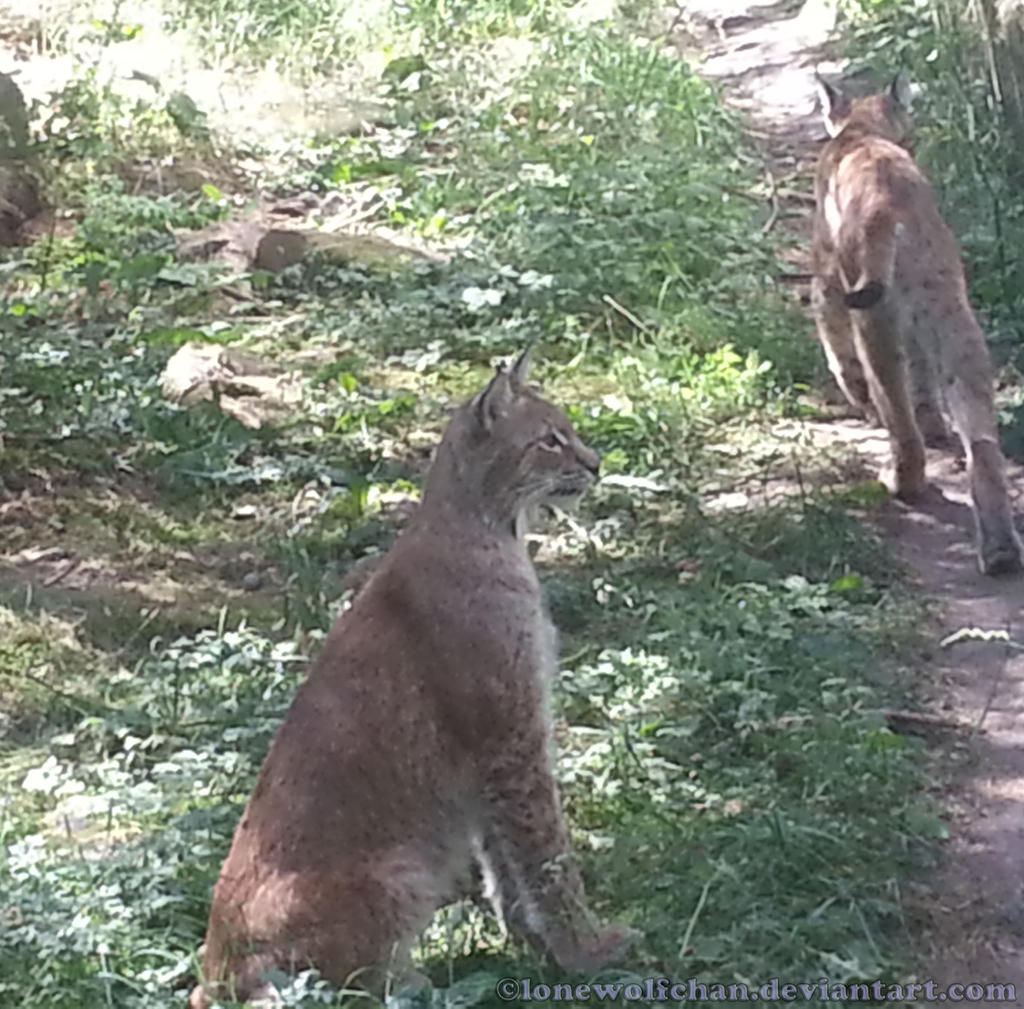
82, 704
626, 313
70, 566
743, 194
900, 717
773, 199
797, 194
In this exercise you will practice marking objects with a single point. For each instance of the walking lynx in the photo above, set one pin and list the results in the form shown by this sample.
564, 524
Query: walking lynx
892, 311
419, 745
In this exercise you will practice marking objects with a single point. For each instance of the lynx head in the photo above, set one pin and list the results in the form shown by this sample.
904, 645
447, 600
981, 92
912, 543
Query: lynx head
506, 453
886, 113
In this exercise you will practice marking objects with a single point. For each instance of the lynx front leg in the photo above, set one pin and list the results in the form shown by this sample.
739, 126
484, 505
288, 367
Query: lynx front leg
530, 874
835, 332
880, 349
969, 394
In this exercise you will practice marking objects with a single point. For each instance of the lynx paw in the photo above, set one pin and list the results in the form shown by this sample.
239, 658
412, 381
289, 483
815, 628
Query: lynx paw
198, 999
906, 482
1001, 559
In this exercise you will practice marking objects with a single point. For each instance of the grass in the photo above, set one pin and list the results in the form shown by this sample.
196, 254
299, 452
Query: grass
730, 631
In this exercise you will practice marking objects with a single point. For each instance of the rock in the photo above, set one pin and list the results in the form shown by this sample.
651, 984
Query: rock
253, 581
19, 190
242, 386
244, 245
13, 119
278, 249
19, 200
261, 242
366, 250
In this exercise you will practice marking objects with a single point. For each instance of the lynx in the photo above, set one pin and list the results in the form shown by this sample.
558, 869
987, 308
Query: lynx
892, 312
415, 759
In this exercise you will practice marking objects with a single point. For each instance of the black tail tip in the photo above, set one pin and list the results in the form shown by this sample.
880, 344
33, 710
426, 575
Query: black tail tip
865, 297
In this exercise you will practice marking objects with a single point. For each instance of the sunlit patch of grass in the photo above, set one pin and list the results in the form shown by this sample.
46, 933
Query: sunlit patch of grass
46, 676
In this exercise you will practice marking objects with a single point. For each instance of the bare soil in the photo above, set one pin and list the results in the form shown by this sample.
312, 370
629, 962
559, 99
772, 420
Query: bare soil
967, 920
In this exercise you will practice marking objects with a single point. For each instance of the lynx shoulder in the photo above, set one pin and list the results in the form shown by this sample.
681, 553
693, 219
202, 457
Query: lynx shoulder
892, 311
416, 755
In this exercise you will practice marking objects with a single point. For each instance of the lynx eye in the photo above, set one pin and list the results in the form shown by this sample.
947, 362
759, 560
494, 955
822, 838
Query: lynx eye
553, 441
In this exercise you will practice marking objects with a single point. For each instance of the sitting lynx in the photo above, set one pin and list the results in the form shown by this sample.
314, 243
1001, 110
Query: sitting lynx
419, 747
892, 312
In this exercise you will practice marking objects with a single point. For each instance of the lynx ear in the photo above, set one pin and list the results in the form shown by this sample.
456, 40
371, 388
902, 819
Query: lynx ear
521, 369
834, 105
899, 91
495, 399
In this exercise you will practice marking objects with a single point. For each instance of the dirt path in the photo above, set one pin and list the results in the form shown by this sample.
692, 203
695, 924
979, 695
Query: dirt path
969, 917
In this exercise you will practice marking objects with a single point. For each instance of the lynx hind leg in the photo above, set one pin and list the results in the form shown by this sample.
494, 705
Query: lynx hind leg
999, 547
549, 912
358, 930
369, 943
970, 400
879, 344
531, 876
927, 398
835, 332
